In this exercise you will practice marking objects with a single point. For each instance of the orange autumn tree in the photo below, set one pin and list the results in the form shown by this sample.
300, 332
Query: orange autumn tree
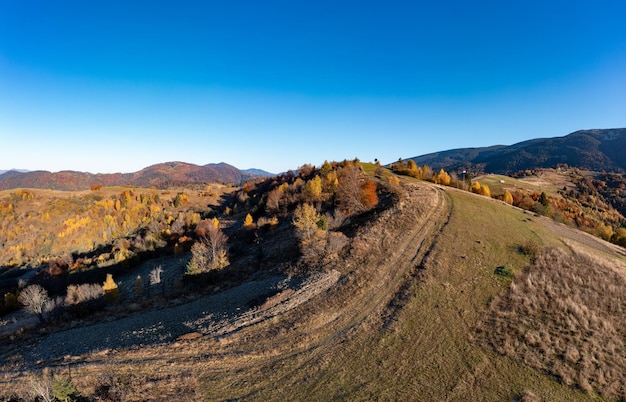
354, 194
370, 198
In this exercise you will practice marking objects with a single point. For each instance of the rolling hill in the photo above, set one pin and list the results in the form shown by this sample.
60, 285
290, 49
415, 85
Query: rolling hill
597, 150
160, 175
435, 294
431, 300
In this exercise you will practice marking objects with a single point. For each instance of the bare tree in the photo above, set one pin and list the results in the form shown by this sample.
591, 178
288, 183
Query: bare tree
34, 299
83, 293
155, 278
273, 199
209, 252
349, 194
41, 388
155, 275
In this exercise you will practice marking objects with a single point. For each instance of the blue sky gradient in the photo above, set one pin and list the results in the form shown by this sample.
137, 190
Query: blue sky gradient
114, 86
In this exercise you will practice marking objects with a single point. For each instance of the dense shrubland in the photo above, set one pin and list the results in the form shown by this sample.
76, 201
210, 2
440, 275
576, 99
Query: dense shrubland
32, 234
58, 239
312, 206
594, 204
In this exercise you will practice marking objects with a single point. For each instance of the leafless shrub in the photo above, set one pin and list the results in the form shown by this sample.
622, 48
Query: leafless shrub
83, 293
335, 220
155, 227
155, 275
111, 389
41, 389
34, 299
156, 279
306, 170
273, 200
140, 244
349, 196
336, 242
178, 226
209, 252
313, 249
264, 221
565, 314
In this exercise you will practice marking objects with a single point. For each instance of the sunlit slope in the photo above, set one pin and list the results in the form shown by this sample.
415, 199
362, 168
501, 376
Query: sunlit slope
406, 319
427, 352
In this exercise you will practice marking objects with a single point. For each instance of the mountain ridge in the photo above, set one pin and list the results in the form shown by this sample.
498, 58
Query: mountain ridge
594, 149
160, 175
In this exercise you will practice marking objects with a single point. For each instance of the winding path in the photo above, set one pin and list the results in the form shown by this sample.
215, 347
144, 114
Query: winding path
302, 316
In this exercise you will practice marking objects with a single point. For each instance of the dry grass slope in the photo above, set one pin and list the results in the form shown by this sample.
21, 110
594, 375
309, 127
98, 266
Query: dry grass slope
565, 315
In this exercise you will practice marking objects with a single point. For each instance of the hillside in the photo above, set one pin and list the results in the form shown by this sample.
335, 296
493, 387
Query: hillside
597, 150
161, 175
404, 311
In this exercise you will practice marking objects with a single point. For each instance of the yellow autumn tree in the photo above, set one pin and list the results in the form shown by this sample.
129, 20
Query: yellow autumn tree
313, 188
326, 168
442, 178
484, 190
331, 181
109, 285
305, 219
393, 180
476, 187
248, 222
413, 170
111, 292
508, 197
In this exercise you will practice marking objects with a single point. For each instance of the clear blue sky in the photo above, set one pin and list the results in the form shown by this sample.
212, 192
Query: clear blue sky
114, 86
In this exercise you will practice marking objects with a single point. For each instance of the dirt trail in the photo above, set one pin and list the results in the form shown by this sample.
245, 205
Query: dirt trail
281, 318
214, 315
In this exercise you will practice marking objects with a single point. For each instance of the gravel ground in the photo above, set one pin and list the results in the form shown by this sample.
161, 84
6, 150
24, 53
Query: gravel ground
215, 315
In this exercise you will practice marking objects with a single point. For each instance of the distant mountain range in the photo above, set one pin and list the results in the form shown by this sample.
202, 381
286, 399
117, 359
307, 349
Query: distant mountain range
601, 149
13, 170
161, 175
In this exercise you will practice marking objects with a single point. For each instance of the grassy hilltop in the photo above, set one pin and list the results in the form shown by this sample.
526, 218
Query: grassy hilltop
409, 291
